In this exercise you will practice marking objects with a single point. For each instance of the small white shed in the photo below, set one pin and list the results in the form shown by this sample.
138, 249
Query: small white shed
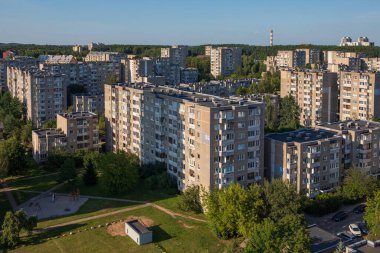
138, 232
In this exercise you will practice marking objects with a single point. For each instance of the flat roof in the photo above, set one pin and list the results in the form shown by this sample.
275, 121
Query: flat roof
74, 115
49, 131
302, 135
138, 227
321, 239
351, 125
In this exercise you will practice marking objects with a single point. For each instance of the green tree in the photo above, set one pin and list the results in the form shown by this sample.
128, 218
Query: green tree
271, 117
26, 134
119, 172
56, 158
357, 185
25, 223
341, 248
102, 126
67, 170
12, 157
290, 114
233, 211
11, 230
372, 216
90, 176
50, 124
190, 200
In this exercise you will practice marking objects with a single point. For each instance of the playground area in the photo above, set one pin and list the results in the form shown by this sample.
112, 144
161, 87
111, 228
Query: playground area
49, 205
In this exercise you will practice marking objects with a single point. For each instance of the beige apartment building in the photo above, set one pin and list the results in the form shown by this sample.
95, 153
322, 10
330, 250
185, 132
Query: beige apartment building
88, 103
311, 159
224, 60
134, 70
204, 140
43, 93
189, 75
45, 141
95, 56
371, 64
361, 144
81, 129
346, 61
359, 95
316, 93
176, 54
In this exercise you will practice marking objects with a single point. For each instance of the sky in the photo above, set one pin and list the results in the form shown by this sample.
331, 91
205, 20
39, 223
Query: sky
189, 22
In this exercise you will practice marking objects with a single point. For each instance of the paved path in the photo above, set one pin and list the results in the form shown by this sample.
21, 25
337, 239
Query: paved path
97, 216
8, 192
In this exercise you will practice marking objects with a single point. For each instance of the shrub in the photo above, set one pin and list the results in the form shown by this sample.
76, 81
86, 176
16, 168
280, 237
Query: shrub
190, 200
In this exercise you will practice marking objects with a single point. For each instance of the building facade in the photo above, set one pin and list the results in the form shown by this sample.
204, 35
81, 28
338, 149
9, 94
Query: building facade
310, 159
189, 75
316, 93
45, 141
88, 103
204, 140
224, 60
176, 54
359, 95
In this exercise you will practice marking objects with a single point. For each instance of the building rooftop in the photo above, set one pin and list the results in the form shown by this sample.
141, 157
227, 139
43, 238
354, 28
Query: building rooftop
198, 98
351, 125
49, 132
102, 53
302, 135
56, 58
75, 115
138, 227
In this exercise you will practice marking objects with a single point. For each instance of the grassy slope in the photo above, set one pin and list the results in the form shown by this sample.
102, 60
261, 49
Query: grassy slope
170, 234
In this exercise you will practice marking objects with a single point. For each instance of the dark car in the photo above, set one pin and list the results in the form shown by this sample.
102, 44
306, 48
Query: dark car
363, 227
359, 209
339, 216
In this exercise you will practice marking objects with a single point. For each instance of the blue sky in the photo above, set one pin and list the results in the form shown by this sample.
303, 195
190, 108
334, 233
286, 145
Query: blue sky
187, 21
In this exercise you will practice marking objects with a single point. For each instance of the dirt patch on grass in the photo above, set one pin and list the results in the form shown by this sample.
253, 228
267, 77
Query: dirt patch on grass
118, 228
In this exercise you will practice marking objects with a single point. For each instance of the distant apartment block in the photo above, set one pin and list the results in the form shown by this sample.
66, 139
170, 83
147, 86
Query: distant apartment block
8, 54
359, 95
171, 72
134, 70
75, 131
42, 93
344, 61
310, 159
371, 64
176, 54
77, 49
208, 50
316, 93
224, 60
361, 144
204, 140
189, 75
57, 59
88, 103
362, 42
95, 56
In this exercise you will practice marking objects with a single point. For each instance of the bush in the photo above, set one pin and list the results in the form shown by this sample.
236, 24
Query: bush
324, 203
190, 200
90, 176
67, 170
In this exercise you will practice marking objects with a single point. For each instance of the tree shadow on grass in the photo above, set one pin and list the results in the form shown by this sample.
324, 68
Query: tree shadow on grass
159, 235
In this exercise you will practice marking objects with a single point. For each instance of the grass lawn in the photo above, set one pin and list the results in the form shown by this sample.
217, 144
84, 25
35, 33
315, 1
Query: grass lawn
35, 184
90, 208
169, 234
171, 203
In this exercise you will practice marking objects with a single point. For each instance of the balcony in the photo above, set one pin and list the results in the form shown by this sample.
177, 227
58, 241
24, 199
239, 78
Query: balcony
313, 165
364, 151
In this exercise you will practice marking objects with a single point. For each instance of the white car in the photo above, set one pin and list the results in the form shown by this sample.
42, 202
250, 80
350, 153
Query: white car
355, 230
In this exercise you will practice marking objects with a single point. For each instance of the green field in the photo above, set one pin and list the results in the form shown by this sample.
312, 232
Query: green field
169, 235
35, 184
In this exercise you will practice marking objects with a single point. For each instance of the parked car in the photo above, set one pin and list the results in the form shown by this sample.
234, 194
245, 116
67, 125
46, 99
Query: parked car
359, 209
346, 236
363, 227
339, 216
355, 230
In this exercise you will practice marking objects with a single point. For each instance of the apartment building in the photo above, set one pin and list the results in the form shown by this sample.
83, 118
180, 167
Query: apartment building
290, 59
208, 50
371, 64
133, 70
95, 56
176, 54
81, 130
316, 93
57, 59
43, 93
77, 49
204, 140
19, 61
189, 75
359, 95
361, 144
45, 141
361, 42
171, 72
309, 158
224, 60
344, 61
88, 103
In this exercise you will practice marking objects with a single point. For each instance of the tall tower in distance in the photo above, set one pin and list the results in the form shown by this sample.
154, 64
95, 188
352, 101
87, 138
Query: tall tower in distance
271, 38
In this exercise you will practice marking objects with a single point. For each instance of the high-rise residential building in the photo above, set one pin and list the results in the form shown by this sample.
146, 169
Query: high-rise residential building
311, 159
371, 64
208, 50
291, 59
316, 93
77, 49
43, 93
204, 140
224, 60
359, 95
81, 130
88, 103
361, 144
171, 72
271, 38
16, 61
362, 42
133, 70
95, 56
189, 75
176, 54
344, 61
46, 141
